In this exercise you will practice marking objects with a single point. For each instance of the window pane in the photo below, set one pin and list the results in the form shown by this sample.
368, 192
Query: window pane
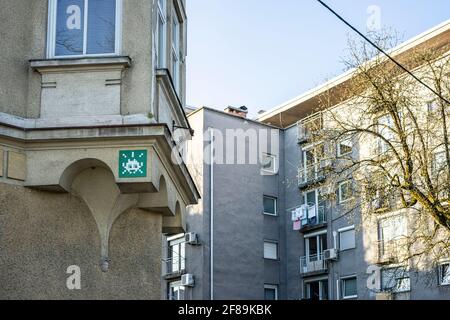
349, 287
445, 274
69, 27
345, 191
345, 147
270, 250
270, 294
393, 228
395, 279
270, 205
101, 26
347, 240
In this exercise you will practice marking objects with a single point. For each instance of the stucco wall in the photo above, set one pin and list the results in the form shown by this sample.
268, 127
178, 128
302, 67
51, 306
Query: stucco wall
41, 234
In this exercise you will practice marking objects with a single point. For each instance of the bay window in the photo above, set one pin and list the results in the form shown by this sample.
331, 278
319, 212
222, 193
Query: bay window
176, 54
161, 34
80, 28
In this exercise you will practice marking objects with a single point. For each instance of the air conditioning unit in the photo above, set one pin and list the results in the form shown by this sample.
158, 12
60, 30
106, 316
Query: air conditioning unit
187, 280
191, 238
330, 254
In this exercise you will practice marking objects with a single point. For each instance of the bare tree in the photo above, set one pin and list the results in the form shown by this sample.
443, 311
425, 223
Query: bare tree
389, 136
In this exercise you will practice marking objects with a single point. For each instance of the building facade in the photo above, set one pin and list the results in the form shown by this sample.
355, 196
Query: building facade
282, 236
91, 97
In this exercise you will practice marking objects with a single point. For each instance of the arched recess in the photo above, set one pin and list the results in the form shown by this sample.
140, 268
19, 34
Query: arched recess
174, 224
93, 181
69, 174
158, 201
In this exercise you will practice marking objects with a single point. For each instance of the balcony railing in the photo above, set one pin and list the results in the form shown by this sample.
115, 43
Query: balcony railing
391, 251
311, 174
319, 218
312, 263
174, 266
308, 126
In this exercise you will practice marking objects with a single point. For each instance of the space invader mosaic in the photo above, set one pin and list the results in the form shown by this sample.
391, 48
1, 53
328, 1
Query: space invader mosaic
133, 164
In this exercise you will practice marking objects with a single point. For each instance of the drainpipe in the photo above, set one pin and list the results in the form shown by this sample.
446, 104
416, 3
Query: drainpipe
211, 194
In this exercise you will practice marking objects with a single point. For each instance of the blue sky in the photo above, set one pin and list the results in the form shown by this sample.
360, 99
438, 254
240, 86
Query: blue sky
260, 53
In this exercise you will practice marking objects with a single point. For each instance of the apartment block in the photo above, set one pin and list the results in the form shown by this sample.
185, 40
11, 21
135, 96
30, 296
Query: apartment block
310, 246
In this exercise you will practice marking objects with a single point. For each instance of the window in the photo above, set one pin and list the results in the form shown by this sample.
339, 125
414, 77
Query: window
176, 50
444, 274
176, 291
270, 292
315, 245
385, 129
347, 238
345, 147
439, 162
270, 250
270, 206
392, 228
316, 290
177, 254
349, 288
161, 34
84, 28
316, 208
345, 191
311, 163
395, 280
268, 163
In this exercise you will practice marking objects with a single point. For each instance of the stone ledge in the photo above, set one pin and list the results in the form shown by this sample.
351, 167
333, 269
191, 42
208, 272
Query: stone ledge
79, 64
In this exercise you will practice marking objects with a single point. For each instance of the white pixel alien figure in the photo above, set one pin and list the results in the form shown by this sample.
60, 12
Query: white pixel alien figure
133, 166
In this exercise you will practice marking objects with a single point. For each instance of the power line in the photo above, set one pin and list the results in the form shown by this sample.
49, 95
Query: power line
382, 51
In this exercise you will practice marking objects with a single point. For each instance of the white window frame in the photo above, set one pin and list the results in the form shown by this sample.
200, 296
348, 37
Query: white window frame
342, 287
272, 287
441, 275
276, 249
275, 206
346, 229
315, 236
274, 162
339, 153
341, 201
176, 50
175, 284
391, 267
161, 48
307, 293
51, 32
177, 240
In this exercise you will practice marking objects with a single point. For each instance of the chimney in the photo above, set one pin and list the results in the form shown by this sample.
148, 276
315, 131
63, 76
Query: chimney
240, 112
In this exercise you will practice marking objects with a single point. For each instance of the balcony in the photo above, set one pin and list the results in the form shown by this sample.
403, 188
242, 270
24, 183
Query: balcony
316, 222
311, 175
174, 267
309, 126
312, 265
392, 251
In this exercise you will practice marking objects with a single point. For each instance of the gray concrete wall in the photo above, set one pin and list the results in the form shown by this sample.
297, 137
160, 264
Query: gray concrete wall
240, 226
57, 231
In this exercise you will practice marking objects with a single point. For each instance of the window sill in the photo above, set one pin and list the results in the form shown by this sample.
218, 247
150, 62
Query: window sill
270, 214
59, 64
